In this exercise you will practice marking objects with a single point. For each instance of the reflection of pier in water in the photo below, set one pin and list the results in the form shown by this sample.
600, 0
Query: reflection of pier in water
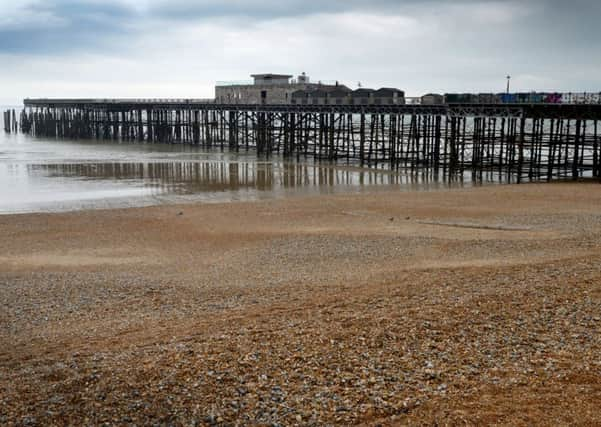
221, 176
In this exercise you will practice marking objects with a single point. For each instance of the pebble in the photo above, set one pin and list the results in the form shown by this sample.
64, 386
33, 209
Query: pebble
336, 326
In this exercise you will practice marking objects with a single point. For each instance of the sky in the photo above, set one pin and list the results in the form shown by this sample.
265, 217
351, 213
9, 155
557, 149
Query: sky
180, 48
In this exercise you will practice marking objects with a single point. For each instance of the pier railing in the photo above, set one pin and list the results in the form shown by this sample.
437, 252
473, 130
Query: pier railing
123, 101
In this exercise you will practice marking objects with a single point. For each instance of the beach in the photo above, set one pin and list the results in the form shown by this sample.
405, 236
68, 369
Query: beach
462, 306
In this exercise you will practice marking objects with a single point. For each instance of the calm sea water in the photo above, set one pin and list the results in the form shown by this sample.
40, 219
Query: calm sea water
40, 174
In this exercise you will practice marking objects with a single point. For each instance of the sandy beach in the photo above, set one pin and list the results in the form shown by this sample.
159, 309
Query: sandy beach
467, 306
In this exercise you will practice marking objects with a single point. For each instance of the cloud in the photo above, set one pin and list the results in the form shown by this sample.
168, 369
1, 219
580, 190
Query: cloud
62, 26
178, 48
19, 16
263, 9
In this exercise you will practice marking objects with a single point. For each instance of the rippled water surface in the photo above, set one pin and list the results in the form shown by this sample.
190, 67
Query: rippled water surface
38, 174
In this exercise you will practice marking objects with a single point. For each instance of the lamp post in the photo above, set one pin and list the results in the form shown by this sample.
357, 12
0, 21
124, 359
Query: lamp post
508, 80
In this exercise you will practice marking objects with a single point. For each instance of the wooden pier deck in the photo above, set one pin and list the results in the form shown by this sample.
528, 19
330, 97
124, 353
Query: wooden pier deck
520, 141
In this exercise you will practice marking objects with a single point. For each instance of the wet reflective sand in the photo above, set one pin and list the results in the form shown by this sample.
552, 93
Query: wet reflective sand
58, 175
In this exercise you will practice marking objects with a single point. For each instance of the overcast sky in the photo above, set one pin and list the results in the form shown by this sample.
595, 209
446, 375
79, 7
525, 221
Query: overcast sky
179, 48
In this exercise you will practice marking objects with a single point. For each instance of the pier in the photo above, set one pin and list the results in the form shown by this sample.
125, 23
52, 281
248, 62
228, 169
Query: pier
10, 121
520, 142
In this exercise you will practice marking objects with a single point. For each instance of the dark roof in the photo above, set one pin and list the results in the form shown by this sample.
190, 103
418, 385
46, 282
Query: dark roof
327, 88
432, 94
340, 89
361, 93
338, 92
319, 93
388, 91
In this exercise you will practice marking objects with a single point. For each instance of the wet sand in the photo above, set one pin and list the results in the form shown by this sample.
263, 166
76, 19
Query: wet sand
472, 306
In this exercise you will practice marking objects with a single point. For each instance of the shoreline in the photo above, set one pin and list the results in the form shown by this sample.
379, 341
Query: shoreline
174, 200
196, 199
476, 304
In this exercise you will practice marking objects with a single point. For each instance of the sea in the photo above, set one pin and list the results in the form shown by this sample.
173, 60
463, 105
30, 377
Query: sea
55, 175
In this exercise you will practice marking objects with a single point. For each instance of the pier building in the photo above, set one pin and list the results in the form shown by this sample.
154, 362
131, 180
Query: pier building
272, 89
283, 89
